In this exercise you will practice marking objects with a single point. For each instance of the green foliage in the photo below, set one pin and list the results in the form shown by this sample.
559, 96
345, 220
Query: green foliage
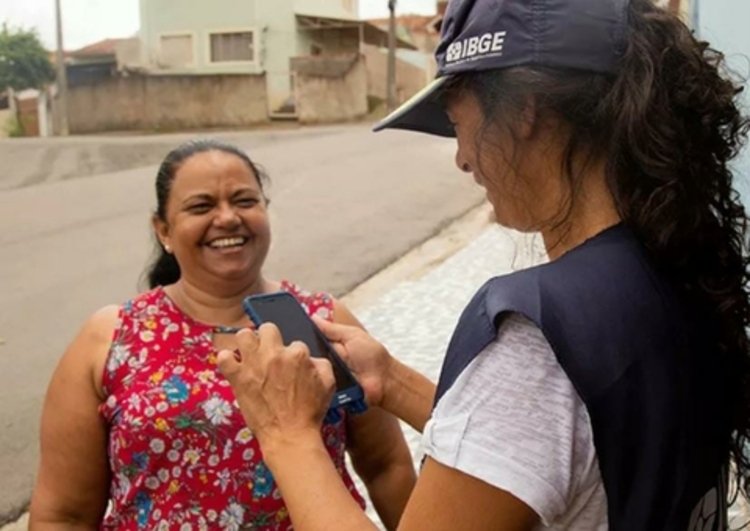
24, 63
14, 129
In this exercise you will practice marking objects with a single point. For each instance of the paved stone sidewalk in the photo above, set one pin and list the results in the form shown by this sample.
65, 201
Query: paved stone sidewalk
415, 319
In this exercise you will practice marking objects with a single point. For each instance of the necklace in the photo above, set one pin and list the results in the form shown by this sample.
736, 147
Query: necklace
228, 329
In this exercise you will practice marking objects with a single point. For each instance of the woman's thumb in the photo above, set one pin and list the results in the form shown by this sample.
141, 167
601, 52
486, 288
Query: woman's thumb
334, 332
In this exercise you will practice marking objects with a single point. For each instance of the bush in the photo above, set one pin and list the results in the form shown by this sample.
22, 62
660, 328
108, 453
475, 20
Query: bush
15, 129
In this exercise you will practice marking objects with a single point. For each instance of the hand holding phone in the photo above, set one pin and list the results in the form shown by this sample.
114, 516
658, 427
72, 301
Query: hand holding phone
283, 310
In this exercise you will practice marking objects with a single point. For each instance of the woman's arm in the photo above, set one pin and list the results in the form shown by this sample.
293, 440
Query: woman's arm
387, 382
379, 452
284, 393
72, 486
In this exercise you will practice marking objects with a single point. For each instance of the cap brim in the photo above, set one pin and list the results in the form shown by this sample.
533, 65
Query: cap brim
424, 112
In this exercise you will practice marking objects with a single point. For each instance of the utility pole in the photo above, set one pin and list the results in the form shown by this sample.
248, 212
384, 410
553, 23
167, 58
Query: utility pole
391, 87
62, 77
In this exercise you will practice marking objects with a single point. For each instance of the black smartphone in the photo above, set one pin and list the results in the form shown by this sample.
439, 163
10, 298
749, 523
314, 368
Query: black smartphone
285, 311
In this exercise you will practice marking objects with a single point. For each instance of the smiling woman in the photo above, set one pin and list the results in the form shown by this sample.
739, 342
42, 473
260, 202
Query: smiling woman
137, 413
212, 219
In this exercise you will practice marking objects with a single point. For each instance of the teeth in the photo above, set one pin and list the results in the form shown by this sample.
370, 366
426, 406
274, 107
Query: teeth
227, 242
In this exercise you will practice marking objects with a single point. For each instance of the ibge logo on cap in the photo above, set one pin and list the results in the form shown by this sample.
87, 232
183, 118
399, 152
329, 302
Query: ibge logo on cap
475, 48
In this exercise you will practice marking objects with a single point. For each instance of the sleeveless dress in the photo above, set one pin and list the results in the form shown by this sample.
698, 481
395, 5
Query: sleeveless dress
181, 455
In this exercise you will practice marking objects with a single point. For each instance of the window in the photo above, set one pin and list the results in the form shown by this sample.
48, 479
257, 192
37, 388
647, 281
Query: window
233, 47
177, 50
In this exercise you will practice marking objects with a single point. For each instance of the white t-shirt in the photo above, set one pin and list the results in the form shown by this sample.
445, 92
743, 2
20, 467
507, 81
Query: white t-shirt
514, 420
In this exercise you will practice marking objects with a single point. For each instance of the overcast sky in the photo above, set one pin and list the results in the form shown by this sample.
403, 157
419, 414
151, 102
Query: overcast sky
87, 21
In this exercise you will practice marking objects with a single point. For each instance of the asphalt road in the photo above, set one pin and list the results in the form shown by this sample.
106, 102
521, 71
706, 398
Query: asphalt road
345, 203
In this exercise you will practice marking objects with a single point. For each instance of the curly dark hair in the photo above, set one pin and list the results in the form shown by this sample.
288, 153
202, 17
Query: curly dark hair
668, 124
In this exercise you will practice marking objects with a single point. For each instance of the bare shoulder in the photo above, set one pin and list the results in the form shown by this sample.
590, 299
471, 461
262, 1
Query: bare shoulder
101, 324
88, 351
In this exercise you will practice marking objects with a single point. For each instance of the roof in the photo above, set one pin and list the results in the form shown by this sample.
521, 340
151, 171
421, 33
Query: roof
105, 47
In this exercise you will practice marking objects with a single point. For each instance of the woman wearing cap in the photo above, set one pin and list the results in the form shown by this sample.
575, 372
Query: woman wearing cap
606, 389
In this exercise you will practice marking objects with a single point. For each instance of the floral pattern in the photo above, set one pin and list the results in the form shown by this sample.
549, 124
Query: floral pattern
181, 456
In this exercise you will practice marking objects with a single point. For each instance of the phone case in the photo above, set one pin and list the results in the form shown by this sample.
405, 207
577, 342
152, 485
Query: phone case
351, 399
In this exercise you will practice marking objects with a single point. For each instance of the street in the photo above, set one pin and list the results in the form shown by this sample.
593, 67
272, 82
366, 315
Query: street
344, 203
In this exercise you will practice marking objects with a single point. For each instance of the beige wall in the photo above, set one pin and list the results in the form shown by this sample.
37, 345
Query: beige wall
128, 53
168, 103
344, 40
410, 79
325, 93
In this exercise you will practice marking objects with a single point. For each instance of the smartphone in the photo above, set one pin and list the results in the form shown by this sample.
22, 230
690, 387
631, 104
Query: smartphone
285, 311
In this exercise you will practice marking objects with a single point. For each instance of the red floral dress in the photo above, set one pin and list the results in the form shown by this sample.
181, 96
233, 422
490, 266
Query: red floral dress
181, 456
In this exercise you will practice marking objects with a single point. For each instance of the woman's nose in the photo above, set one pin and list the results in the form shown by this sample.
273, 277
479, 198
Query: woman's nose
226, 216
461, 162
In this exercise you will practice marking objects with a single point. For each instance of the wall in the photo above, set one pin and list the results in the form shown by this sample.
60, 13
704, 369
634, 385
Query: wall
343, 40
279, 45
347, 9
28, 115
724, 23
410, 79
129, 53
330, 89
167, 103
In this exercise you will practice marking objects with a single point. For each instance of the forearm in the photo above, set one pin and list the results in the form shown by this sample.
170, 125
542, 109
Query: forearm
390, 490
47, 514
409, 395
36, 524
308, 481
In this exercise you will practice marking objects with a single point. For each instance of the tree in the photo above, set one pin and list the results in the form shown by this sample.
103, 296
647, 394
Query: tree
24, 63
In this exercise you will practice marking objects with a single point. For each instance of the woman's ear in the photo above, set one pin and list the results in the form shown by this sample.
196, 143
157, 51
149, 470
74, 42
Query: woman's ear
529, 119
161, 229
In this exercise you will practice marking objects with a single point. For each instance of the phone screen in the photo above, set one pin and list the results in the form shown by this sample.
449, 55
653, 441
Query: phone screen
286, 313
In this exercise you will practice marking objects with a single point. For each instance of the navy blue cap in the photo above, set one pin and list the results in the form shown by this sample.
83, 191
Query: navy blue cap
479, 35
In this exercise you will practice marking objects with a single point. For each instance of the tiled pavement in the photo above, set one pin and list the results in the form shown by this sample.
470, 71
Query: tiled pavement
415, 318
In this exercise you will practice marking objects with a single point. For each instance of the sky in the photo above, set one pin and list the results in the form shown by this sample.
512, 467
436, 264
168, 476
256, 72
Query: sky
87, 21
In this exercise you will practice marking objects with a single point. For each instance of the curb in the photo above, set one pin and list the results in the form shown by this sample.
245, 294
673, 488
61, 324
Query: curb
423, 258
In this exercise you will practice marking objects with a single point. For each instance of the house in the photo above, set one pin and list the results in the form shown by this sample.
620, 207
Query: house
200, 65
93, 62
255, 37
